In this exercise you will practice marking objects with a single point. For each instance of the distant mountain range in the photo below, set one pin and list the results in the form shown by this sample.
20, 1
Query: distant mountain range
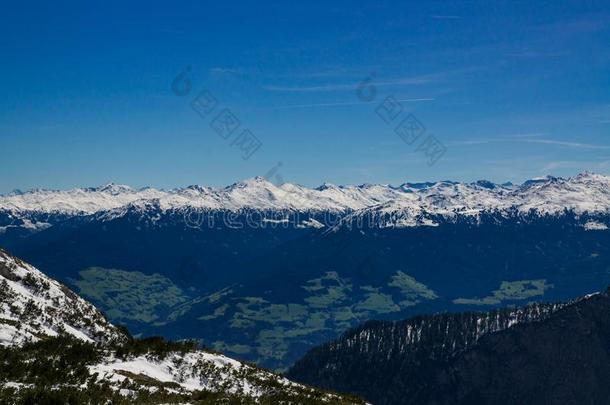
543, 353
416, 203
264, 272
55, 347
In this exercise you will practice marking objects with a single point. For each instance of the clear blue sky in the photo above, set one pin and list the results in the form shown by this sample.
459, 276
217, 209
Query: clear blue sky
513, 89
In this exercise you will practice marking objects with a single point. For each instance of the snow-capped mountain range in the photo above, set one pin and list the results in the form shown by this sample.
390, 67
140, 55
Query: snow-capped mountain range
411, 203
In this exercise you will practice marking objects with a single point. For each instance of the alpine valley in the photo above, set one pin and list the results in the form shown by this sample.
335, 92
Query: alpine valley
57, 348
265, 272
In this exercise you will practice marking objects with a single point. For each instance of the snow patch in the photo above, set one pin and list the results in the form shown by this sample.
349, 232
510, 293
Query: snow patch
595, 226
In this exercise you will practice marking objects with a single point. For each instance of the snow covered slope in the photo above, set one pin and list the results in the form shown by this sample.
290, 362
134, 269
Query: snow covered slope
41, 321
33, 305
584, 193
201, 371
79, 200
433, 203
255, 193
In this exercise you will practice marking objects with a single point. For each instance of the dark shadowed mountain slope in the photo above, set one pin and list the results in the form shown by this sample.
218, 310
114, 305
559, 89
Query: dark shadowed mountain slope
551, 354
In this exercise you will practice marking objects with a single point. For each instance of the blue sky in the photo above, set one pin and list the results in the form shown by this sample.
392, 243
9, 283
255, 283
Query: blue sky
511, 89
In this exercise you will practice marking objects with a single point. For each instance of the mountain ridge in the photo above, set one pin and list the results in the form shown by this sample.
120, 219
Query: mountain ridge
54, 344
586, 193
33, 305
503, 356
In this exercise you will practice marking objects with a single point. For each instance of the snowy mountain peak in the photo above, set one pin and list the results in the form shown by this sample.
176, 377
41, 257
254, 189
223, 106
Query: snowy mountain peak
586, 192
114, 189
485, 184
254, 182
590, 176
326, 186
417, 186
540, 181
197, 188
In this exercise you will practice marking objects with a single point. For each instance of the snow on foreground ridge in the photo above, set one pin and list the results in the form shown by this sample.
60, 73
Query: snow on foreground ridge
192, 371
199, 370
33, 305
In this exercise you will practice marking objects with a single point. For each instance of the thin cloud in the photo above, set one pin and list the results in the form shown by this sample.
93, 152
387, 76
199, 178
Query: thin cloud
575, 164
446, 17
406, 100
415, 80
346, 103
530, 138
537, 54
223, 71
471, 142
352, 86
329, 87
567, 144
529, 135
325, 74
500, 138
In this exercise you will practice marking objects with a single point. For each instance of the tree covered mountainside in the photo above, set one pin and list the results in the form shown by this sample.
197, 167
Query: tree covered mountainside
541, 353
56, 348
64, 369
